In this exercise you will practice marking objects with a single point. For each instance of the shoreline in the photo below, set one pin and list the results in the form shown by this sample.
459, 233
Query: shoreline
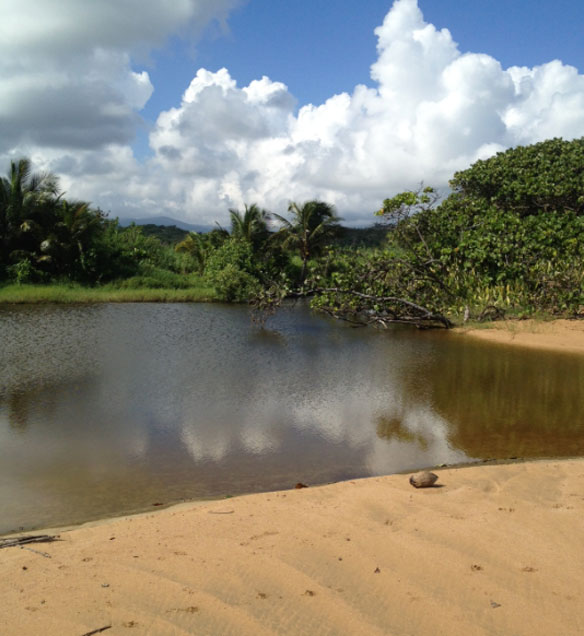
494, 549
161, 508
560, 335
55, 530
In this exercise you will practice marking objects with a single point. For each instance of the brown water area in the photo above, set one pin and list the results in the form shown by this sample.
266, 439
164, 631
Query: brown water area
110, 409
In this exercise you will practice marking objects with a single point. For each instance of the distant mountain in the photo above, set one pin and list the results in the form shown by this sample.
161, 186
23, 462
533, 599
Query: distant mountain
166, 220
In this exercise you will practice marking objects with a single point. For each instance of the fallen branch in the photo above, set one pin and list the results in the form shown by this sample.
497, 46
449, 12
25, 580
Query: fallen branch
421, 315
403, 311
19, 541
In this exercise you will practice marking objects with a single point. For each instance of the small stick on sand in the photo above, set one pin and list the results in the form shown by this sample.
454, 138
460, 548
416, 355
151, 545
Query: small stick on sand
97, 631
45, 554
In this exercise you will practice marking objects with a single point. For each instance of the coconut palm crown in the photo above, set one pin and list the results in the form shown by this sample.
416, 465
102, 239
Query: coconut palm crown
312, 223
251, 225
24, 197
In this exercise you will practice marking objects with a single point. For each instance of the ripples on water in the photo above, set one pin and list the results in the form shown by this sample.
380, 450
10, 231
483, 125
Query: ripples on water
108, 409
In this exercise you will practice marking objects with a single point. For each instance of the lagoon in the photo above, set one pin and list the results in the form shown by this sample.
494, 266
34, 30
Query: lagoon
109, 409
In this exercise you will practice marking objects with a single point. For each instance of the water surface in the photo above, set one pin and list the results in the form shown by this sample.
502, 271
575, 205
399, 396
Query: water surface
108, 409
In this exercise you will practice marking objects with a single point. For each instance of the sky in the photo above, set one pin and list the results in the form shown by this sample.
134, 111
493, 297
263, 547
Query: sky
191, 107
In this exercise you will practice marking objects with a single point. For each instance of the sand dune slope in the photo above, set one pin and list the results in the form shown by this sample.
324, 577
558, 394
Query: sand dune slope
495, 550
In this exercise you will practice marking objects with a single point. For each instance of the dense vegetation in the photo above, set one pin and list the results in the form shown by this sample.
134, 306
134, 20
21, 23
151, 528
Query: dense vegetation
45, 238
507, 239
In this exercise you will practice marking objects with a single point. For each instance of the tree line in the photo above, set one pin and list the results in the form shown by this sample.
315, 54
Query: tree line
47, 238
506, 239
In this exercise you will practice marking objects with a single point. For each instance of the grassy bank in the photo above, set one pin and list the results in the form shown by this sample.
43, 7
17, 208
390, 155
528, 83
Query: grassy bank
66, 294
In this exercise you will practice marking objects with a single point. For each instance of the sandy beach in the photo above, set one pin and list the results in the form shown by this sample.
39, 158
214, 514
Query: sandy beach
492, 549
556, 335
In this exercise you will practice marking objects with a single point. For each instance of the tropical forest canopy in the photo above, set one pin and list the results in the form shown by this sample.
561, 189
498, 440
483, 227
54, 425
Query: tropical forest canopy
507, 239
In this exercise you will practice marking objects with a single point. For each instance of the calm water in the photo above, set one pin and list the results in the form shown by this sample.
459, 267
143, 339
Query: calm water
109, 409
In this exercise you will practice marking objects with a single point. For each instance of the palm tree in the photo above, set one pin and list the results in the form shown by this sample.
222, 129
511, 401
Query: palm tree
312, 224
76, 229
24, 195
250, 226
194, 244
199, 246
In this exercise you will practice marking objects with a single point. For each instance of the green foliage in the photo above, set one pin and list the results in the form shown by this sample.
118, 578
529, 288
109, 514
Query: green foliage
44, 237
233, 284
23, 272
312, 226
231, 270
235, 252
27, 201
197, 247
380, 274
407, 203
157, 278
250, 225
547, 176
509, 235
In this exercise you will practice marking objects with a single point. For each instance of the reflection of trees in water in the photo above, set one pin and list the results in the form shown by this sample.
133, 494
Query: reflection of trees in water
23, 405
504, 403
18, 410
393, 428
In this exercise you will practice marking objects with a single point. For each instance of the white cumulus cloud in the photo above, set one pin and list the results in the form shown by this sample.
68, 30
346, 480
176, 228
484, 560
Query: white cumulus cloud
430, 109
66, 72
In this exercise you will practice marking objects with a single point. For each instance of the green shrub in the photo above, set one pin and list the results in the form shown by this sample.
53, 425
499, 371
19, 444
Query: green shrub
233, 284
156, 278
23, 272
231, 270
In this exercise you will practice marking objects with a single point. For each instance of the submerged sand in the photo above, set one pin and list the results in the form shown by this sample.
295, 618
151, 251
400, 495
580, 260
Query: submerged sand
494, 550
556, 335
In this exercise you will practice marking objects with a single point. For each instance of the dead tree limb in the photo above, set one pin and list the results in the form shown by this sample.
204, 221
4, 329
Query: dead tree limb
396, 310
18, 541
414, 314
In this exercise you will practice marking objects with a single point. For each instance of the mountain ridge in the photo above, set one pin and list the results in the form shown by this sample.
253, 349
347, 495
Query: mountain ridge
165, 220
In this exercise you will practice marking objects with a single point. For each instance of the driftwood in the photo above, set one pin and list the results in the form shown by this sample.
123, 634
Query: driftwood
97, 631
19, 541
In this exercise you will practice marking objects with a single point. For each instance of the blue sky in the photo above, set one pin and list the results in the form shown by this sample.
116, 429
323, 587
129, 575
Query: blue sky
318, 52
127, 102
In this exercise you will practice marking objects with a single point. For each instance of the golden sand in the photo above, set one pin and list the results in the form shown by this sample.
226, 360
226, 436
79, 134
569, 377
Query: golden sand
557, 335
494, 550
